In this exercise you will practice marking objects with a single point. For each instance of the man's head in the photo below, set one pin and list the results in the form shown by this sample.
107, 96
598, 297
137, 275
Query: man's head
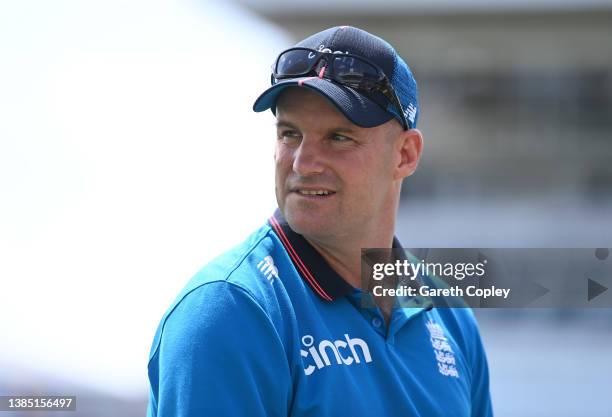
335, 179
339, 165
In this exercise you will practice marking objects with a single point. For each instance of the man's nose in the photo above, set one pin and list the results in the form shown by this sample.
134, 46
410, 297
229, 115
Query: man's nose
307, 159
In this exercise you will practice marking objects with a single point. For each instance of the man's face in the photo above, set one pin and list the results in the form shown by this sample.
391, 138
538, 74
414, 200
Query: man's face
333, 178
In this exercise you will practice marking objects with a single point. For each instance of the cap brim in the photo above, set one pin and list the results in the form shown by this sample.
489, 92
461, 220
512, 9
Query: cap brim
358, 108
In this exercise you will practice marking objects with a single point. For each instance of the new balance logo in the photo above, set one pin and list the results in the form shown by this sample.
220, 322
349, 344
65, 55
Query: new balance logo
342, 352
267, 267
410, 112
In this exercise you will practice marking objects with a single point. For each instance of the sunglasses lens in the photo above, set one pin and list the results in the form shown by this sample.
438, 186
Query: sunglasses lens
354, 71
295, 62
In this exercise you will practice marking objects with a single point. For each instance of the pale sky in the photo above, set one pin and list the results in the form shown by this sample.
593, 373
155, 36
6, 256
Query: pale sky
129, 156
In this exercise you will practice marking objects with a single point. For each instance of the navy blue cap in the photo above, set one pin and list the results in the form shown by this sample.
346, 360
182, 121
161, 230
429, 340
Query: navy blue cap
359, 109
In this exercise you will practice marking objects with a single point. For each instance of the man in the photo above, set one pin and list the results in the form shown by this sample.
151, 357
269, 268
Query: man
276, 326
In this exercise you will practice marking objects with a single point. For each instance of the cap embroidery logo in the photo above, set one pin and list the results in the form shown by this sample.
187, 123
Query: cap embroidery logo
410, 112
322, 48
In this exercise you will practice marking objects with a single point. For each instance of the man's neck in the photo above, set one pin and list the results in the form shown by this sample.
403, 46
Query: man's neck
345, 257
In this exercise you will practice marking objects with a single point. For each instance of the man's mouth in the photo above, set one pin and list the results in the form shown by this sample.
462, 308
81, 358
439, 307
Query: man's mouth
315, 192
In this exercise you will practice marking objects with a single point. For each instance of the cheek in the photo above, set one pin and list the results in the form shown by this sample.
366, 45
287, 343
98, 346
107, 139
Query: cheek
282, 163
376, 178
280, 157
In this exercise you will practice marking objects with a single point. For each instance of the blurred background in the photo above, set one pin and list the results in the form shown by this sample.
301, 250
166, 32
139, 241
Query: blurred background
129, 156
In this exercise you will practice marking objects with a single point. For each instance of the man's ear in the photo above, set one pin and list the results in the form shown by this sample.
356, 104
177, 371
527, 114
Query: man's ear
410, 148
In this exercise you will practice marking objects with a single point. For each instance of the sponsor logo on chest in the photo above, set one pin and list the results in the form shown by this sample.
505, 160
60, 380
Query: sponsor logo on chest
342, 352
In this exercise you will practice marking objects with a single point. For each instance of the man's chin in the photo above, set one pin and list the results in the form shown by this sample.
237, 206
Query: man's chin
307, 223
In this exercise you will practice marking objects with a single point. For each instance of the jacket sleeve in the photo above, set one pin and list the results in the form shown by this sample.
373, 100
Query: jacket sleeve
217, 353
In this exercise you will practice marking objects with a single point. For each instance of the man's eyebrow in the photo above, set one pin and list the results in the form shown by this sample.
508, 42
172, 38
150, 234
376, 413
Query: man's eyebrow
345, 129
283, 123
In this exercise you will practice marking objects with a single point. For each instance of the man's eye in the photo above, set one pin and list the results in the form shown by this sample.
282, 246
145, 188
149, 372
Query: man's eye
341, 138
288, 135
